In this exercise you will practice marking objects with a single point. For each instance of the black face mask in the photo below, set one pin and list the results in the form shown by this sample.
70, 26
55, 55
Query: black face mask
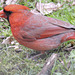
8, 13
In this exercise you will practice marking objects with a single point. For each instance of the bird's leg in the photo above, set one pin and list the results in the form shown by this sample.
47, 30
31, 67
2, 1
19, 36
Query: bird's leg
38, 55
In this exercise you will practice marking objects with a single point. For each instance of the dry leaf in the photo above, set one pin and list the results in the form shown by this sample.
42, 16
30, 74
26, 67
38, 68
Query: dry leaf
11, 2
8, 40
34, 11
46, 8
73, 3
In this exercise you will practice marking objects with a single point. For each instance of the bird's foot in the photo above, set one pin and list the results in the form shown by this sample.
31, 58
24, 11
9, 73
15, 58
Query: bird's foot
36, 56
40, 55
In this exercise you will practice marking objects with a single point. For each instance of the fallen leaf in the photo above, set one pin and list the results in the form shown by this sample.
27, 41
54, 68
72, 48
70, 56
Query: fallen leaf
34, 11
8, 40
46, 8
73, 3
11, 2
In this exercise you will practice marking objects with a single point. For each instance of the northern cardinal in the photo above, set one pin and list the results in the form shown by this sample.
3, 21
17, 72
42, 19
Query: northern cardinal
36, 31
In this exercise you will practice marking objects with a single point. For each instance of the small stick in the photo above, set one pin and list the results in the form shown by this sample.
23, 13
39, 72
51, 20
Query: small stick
48, 65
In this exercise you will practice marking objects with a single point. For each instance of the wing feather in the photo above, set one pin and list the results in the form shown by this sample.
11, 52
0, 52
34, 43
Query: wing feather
40, 27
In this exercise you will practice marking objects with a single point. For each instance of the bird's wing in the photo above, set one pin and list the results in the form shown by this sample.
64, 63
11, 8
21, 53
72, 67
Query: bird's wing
40, 27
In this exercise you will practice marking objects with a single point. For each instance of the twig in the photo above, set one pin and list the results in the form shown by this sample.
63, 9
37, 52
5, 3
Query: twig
69, 49
48, 65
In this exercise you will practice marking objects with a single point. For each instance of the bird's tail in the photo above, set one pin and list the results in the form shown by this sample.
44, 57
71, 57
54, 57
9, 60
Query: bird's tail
68, 36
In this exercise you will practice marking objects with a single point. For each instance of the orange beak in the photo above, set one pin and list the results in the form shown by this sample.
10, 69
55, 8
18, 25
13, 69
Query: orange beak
2, 14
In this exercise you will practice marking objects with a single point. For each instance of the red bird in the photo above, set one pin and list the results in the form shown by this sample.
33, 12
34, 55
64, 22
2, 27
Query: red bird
36, 31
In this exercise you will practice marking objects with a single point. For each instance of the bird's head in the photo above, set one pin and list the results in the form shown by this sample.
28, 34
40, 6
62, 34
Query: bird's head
7, 10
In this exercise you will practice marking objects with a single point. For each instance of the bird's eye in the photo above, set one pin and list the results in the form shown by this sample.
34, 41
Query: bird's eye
4, 10
8, 13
